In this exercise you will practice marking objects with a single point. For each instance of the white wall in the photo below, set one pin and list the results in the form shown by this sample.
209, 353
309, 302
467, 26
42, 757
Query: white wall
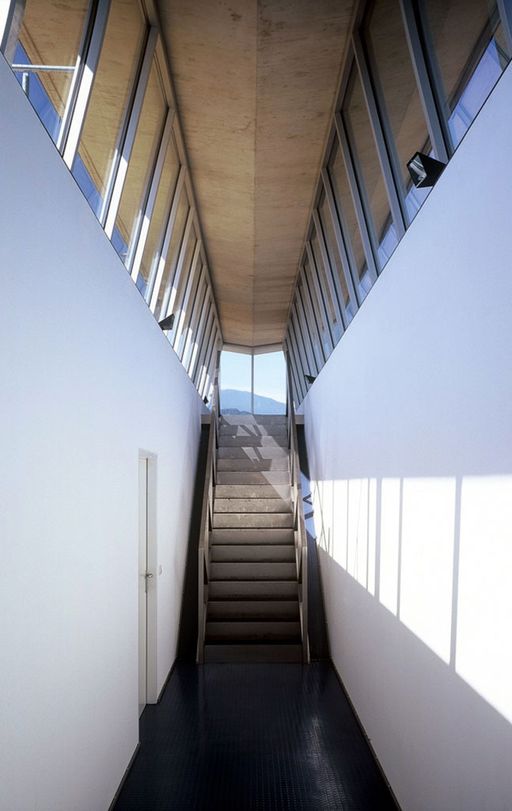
88, 380
409, 433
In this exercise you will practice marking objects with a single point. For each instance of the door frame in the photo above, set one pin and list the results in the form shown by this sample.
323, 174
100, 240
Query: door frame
152, 566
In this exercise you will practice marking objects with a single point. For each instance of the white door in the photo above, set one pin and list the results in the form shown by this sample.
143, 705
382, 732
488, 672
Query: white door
143, 581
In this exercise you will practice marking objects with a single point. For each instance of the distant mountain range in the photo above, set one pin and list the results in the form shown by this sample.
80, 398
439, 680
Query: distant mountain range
233, 401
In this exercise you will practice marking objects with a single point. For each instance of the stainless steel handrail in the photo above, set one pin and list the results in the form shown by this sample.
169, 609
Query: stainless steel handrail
301, 543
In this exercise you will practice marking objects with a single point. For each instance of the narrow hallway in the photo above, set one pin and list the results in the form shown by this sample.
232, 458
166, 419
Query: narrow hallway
253, 737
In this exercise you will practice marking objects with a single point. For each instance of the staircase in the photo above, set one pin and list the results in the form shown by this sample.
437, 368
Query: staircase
252, 562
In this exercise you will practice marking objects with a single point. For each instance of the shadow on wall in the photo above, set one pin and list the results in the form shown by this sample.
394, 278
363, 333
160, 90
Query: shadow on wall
422, 582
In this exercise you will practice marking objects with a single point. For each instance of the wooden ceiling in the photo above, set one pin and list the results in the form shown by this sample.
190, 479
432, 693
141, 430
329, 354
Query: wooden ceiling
255, 82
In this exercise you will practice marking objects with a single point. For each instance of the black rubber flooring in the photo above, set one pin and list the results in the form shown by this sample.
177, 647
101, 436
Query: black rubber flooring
255, 737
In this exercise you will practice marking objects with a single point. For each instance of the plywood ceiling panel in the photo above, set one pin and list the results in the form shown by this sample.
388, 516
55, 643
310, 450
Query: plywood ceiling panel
255, 82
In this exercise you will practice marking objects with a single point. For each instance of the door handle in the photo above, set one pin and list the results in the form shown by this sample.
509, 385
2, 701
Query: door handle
148, 575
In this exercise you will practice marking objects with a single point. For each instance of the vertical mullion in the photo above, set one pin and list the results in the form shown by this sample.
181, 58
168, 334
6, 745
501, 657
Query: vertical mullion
333, 283
367, 237
171, 290
136, 252
188, 289
158, 266
315, 279
436, 123
390, 171
120, 168
349, 268
74, 116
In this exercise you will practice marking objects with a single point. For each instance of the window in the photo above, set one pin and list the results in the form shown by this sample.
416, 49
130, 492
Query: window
332, 251
468, 46
178, 229
397, 94
269, 383
45, 56
141, 165
109, 103
348, 219
166, 188
335, 327
371, 181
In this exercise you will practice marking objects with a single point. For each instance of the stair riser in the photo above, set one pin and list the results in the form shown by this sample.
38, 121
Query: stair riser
252, 653
251, 536
252, 420
253, 520
253, 590
254, 454
243, 478
278, 491
253, 430
250, 553
252, 442
253, 571
251, 505
243, 631
249, 466
253, 610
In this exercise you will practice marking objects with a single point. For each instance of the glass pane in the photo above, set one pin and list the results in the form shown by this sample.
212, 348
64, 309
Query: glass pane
332, 248
397, 93
235, 383
367, 168
113, 85
141, 165
49, 37
179, 284
270, 383
347, 214
309, 326
163, 202
188, 310
172, 254
325, 292
468, 41
194, 326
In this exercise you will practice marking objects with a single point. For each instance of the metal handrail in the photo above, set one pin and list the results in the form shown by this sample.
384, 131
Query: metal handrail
203, 570
299, 526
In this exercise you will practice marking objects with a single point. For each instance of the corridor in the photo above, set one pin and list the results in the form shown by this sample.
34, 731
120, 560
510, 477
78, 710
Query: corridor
258, 737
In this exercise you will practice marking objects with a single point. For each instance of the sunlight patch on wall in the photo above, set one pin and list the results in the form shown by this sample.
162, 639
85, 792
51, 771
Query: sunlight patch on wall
427, 538
484, 651
389, 543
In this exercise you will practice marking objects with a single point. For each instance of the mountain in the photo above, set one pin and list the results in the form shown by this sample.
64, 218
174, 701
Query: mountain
233, 401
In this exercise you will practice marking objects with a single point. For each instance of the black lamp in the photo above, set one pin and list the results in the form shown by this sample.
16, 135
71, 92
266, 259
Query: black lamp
205, 400
424, 170
167, 323
310, 379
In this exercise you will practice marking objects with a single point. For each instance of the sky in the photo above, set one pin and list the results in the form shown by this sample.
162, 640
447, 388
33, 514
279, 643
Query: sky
269, 374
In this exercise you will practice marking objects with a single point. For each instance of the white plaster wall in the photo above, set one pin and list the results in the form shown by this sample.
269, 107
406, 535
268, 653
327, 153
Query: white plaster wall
88, 380
409, 432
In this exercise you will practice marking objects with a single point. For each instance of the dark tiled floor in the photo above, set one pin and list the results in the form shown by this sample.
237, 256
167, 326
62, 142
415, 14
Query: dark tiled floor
256, 738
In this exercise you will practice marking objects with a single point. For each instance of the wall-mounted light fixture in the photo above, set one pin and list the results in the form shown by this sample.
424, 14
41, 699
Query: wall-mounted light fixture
205, 400
424, 170
310, 379
167, 323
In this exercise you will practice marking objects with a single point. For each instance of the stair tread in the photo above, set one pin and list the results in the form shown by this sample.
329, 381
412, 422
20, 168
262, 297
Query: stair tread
253, 590
253, 609
274, 491
247, 536
248, 570
253, 477
252, 465
256, 553
252, 505
255, 652
250, 520
256, 630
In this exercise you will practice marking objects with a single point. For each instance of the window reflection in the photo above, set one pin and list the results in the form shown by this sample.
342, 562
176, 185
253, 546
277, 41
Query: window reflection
142, 161
367, 167
468, 44
397, 93
113, 85
45, 56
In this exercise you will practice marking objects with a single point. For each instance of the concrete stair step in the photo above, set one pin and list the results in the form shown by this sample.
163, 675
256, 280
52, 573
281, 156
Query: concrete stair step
253, 571
253, 419
253, 610
252, 553
276, 653
252, 477
276, 491
248, 452
253, 430
253, 520
251, 536
252, 442
239, 631
252, 466
253, 590
251, 505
